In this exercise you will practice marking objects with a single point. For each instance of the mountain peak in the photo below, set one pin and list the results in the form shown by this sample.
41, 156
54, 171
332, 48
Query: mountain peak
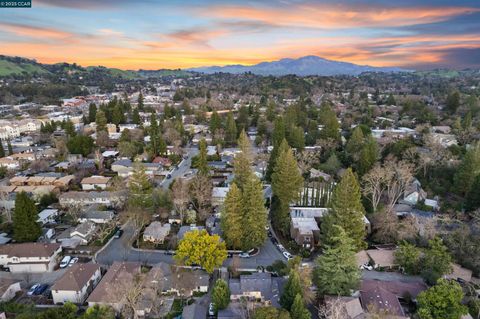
303, 66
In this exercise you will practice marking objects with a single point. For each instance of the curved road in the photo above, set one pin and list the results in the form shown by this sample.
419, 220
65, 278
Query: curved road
121, 250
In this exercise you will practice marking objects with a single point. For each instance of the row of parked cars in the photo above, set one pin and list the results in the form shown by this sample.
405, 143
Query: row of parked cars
68, 261
280, 247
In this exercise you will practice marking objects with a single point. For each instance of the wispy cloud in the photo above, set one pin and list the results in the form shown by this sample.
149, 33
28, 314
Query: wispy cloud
327, 16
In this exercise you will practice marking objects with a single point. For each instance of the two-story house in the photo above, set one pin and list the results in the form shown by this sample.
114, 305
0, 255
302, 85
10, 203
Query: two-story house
76, 284
29, 257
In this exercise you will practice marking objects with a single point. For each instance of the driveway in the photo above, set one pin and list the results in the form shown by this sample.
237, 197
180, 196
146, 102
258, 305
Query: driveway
389, 276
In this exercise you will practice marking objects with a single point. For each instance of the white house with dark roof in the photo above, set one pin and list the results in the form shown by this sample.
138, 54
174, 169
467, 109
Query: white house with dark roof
29, 257
76, 284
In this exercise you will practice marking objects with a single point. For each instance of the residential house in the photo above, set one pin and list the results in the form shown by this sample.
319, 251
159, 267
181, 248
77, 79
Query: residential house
95, 183
305, 231
259, 287
348, 307
76, 284
304, 225
114, 286
47, 216
185, 229
29, 257
80, 235
218, 195
97, 216
179, 280
194, 311
9, 163
386, 295
156, 232
124, 168
8, 289
109, 199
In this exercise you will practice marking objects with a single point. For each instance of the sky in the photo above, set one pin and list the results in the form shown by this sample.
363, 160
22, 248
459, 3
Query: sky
157, 34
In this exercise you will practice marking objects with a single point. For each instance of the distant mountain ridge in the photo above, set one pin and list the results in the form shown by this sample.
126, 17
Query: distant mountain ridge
304, 66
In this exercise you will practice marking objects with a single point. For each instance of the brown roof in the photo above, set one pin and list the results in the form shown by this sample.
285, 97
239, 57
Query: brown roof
64, 180
18, 180
351, 306
383, 295
95, 180
76, 277
29, 250
109, 288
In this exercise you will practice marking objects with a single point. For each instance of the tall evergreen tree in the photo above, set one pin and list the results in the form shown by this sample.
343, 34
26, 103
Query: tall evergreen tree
254, 214
346, 211
140, 196
215, 122
9, 147
140, 104
467, 171
278, 135
101, 121
2, 150
25, 215
230, 129
354, 144
336, 271
242, 165
368, 155
136, 117
292, 288
473, 196
329, 120
70, 128
287, 183
92, 112
232, 218
298, 310
202, 164
118, 116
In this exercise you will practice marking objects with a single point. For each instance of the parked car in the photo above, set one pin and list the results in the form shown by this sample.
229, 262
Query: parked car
280, 246
32, 289
244, 255
211, 309
40, 289
367, 267
118, 234
73, 261
270, 234
169, 252
229, 255
169, 176
65, 261
287, 255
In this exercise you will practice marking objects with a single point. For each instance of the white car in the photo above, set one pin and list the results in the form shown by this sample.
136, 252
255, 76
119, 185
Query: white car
73, 261
65, 261
367, 267
244, 255
211, 309
32, 289
280, 246
287, 255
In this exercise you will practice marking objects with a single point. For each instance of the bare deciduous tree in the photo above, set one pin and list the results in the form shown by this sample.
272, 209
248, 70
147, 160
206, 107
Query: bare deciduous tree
333, 308
400, 176
180, 196
374, 185
201, 190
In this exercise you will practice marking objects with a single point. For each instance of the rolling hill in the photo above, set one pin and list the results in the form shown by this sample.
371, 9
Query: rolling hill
304, 66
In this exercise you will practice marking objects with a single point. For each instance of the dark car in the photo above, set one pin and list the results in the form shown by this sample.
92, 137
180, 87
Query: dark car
118, 234
40, 289
169, 176
270, 234
169, 252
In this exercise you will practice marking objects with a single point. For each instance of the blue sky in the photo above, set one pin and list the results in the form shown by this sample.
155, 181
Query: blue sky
153, 34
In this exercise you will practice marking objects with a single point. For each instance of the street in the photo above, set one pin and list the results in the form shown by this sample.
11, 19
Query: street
121, 250
183, 167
